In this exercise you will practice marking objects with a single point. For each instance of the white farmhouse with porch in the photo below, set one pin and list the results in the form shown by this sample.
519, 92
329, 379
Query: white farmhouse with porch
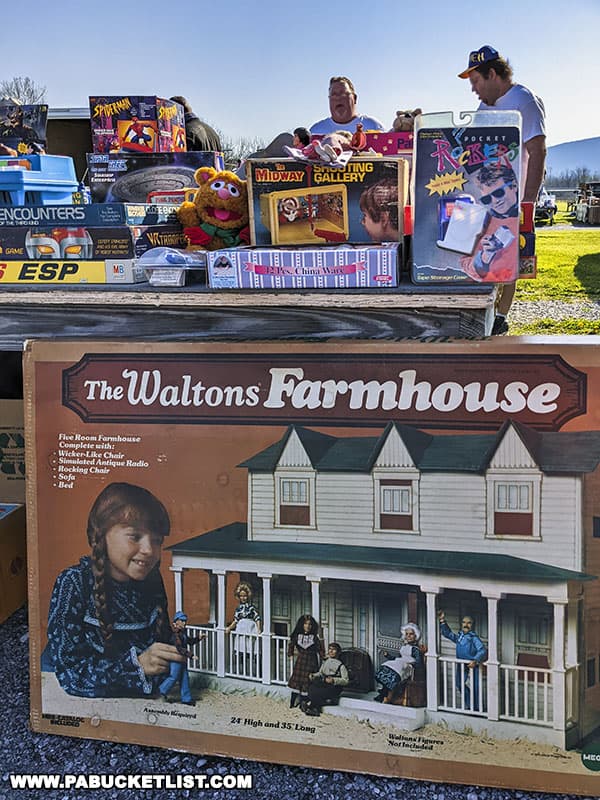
369, 532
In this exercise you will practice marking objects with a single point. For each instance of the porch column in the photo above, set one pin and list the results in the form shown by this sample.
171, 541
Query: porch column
493, 661
221, 622
573, 675
558, 666
178, 576
315, 595
212, 600
431, 657
266, 626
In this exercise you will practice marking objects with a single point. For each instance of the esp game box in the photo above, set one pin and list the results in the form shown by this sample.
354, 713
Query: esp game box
287, 512
466, 198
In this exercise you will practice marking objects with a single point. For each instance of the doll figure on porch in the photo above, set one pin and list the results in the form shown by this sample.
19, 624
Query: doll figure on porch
245, 626
218, 216
308, 649
394, 674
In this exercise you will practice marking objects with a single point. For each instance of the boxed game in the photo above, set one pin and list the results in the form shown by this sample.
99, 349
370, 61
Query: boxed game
168, 266
92, 215
137, 124
12, 452
110, 270
13, 558
369, 556
63, 243
132, 177
390, 143
22, 125
146, 237
465, 197
339, 267
295, 202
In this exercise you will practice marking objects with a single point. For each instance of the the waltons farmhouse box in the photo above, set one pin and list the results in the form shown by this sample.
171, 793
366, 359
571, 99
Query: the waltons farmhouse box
386, 554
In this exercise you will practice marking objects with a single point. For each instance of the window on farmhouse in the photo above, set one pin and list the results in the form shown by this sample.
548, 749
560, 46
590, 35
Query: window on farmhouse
513, 509
294, 506
396, 505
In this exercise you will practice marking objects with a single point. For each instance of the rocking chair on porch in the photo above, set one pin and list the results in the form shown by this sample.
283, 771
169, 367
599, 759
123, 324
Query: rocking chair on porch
360, 669
413, 693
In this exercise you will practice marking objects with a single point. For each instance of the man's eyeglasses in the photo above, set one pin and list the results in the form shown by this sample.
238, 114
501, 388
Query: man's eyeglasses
486, 199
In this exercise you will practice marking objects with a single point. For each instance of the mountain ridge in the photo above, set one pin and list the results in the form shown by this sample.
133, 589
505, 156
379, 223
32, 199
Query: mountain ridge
573, 155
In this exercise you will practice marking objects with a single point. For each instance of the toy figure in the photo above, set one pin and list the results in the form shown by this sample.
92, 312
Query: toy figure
405, 120
305, 643
245, 623
358, 141
138, 133
379, 204
470, 648
329, 148
301, 138
393, 674
327, 684
218, 216
178, 671
108, 628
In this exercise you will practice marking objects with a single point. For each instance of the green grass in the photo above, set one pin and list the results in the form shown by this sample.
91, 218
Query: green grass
568, 266
568, 270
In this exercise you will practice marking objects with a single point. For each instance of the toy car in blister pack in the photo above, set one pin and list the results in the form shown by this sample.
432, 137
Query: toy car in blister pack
466, 198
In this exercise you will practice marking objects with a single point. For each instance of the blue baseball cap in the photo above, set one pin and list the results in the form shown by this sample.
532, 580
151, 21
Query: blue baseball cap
180, 615
479, 57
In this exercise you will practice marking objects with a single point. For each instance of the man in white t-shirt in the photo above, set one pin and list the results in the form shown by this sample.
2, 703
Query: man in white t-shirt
342, 106
491, 78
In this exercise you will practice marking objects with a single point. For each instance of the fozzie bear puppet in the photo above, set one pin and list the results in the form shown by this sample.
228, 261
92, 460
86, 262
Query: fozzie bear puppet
218, 216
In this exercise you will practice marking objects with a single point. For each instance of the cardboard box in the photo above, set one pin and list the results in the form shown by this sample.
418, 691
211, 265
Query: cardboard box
22, 125
110, 270
65, 243
366, 484
390, 143
137, 124
94, 215
13, 559
12, 452
131, 177
293, 202
465, 198
145, 237
303, 267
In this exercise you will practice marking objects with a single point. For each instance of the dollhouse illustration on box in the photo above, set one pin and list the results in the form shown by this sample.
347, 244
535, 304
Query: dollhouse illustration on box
369, 532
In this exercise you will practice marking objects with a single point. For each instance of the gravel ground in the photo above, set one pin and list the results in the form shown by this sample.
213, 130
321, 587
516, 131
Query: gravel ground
524, 312
23, 751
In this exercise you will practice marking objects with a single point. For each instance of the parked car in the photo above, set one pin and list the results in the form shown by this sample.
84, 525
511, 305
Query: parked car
545, 207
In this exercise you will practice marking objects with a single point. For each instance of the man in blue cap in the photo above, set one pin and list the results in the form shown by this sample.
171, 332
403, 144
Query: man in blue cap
491, 78
178, 672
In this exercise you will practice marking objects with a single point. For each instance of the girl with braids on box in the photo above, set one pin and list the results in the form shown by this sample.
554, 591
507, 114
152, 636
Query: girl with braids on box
108, 624
308, 649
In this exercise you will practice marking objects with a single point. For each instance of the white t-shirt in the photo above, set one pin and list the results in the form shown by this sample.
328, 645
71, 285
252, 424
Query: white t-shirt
324, 126
533, 113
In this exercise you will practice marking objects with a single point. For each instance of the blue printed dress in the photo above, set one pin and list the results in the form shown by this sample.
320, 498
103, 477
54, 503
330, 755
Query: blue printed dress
76, 649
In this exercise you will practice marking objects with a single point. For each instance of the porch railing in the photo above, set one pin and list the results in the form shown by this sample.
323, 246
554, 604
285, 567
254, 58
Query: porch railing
462, 688
204, 653
243, 655
526, 694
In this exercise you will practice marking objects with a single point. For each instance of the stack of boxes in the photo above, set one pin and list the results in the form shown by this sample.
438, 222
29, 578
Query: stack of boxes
139, 157
312, 226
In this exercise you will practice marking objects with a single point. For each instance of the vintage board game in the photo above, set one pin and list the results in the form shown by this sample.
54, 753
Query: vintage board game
295, 202
465, 195
381, 496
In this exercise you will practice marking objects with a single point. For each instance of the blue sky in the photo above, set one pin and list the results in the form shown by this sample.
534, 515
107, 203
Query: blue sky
256, 69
